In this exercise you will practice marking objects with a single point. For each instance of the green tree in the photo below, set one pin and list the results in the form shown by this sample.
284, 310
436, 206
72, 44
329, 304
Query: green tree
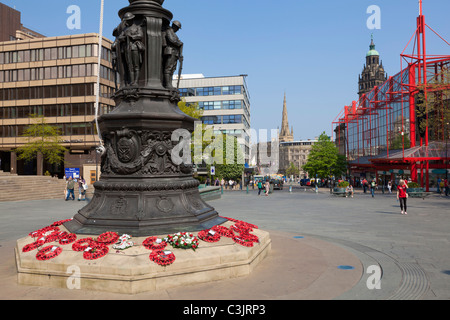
399, 141
42, 138
191, 109
324, 159
232, 165
292, 170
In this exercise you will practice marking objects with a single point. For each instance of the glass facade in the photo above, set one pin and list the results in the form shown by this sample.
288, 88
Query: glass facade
381, 119
225, 104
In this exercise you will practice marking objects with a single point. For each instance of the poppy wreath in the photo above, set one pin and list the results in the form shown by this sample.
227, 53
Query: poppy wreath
244, 226
182, 240
243, 240
55, 235
67, 238
60, 222
95, 251
161, 257
242, 222
241, 228
82, 244
49, 252
43, 231
33, 245
209, 235
150, 244
108, 238
223, 231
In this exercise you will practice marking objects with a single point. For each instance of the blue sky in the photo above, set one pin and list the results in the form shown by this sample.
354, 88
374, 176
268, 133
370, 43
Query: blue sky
311, 50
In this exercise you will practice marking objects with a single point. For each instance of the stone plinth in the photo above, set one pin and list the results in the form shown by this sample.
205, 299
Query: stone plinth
131, 271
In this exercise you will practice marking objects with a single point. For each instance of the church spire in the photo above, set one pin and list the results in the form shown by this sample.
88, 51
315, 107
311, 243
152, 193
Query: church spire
285, 134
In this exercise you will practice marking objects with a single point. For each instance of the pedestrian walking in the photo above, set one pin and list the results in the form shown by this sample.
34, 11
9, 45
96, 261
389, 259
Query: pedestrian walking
267, 187
446, 187
389, 186
402, 195
81, 189
373, 185
70, 189
259, 187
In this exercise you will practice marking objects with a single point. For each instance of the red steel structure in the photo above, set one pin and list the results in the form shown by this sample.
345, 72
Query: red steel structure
388, 132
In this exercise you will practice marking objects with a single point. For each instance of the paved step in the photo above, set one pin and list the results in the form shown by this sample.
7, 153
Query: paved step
21, 188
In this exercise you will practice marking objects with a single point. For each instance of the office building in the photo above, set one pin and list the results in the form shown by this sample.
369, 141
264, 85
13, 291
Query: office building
225, 103
54, 77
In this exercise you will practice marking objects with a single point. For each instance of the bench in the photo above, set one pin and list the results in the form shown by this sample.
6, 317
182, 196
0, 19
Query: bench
339, 192
419, 194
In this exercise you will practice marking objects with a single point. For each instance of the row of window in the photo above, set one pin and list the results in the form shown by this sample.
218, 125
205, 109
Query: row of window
219, 105
211, 91
58, 110
228, 119
57, 91
31, 55
60, 72
66, 129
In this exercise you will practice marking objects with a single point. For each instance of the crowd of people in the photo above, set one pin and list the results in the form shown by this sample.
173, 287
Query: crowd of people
226, 184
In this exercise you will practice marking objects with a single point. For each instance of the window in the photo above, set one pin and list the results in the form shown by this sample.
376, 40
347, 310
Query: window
208, 91
232, 104
47, 54
232, 119
68, 52
231, 90
210, 105
211, 120
75, 52
82, 51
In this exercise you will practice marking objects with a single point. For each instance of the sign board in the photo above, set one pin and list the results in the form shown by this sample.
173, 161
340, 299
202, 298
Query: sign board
72, 172
213, 170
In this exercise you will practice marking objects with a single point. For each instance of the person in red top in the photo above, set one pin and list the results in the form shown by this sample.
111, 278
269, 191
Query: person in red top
402, 195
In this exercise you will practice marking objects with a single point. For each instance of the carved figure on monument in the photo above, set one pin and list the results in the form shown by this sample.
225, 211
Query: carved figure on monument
131, 48
173, 52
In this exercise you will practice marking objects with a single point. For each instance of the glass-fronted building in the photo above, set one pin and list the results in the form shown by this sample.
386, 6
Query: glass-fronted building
389, 133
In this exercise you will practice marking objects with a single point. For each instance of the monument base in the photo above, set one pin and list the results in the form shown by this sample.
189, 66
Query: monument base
131, 271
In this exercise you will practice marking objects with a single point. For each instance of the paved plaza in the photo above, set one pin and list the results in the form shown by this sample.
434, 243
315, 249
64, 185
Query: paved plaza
323, 247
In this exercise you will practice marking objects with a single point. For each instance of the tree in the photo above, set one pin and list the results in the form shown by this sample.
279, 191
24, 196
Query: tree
232, 165
42, 138
191, 109
292, 170
324, 159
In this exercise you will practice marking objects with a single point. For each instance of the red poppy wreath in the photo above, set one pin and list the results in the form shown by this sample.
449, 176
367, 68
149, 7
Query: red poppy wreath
162, 257
209, 235
95, 251
48, 252
153, 243
107, 238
